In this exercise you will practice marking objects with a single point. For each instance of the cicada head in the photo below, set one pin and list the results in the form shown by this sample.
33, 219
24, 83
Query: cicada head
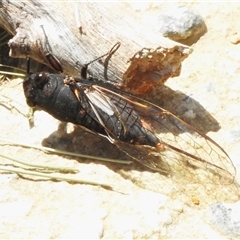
38, 89
48, 92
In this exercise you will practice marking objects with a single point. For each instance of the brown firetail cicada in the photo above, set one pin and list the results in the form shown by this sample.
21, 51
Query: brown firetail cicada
148, 133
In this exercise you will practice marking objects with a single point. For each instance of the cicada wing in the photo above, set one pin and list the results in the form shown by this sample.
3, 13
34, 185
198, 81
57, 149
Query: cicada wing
191, 151
182, 150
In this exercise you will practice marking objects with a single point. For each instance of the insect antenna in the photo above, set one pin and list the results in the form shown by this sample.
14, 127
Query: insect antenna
110, 53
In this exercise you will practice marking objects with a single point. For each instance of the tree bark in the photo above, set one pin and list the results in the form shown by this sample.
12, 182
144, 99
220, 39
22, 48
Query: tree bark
77, 33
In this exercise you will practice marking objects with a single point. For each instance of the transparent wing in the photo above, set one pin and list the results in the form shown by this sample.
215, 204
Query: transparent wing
182, 152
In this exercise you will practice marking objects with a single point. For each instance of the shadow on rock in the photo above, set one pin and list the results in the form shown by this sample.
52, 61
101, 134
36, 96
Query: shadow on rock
186, 108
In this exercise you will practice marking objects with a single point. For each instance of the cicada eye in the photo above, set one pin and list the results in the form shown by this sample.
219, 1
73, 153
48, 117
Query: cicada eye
40, 78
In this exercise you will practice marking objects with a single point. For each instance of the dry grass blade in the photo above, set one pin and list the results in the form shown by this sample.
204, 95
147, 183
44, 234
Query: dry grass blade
53, 176
15, 68
41, 166
52, 150
4, 37
12, 73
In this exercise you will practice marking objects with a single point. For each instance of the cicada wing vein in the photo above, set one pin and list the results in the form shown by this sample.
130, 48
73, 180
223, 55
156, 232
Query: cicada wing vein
184, 151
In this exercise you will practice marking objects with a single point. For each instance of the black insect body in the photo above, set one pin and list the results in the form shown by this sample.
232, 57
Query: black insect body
110, 116
149, 134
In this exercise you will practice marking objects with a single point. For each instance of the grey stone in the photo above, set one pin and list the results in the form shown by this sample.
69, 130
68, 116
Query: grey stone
182, 24
226, 218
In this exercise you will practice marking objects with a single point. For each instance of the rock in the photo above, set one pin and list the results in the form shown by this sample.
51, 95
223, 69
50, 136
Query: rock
226, 218
182, 24
235, 38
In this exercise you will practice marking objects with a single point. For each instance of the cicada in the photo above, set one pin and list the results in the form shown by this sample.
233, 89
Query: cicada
146, 132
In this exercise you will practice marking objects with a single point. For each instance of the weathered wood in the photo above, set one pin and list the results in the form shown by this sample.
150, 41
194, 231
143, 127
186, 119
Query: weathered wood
76, 33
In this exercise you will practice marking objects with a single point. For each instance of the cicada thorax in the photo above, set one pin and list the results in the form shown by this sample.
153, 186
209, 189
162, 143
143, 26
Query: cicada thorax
113, 113
49, 93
